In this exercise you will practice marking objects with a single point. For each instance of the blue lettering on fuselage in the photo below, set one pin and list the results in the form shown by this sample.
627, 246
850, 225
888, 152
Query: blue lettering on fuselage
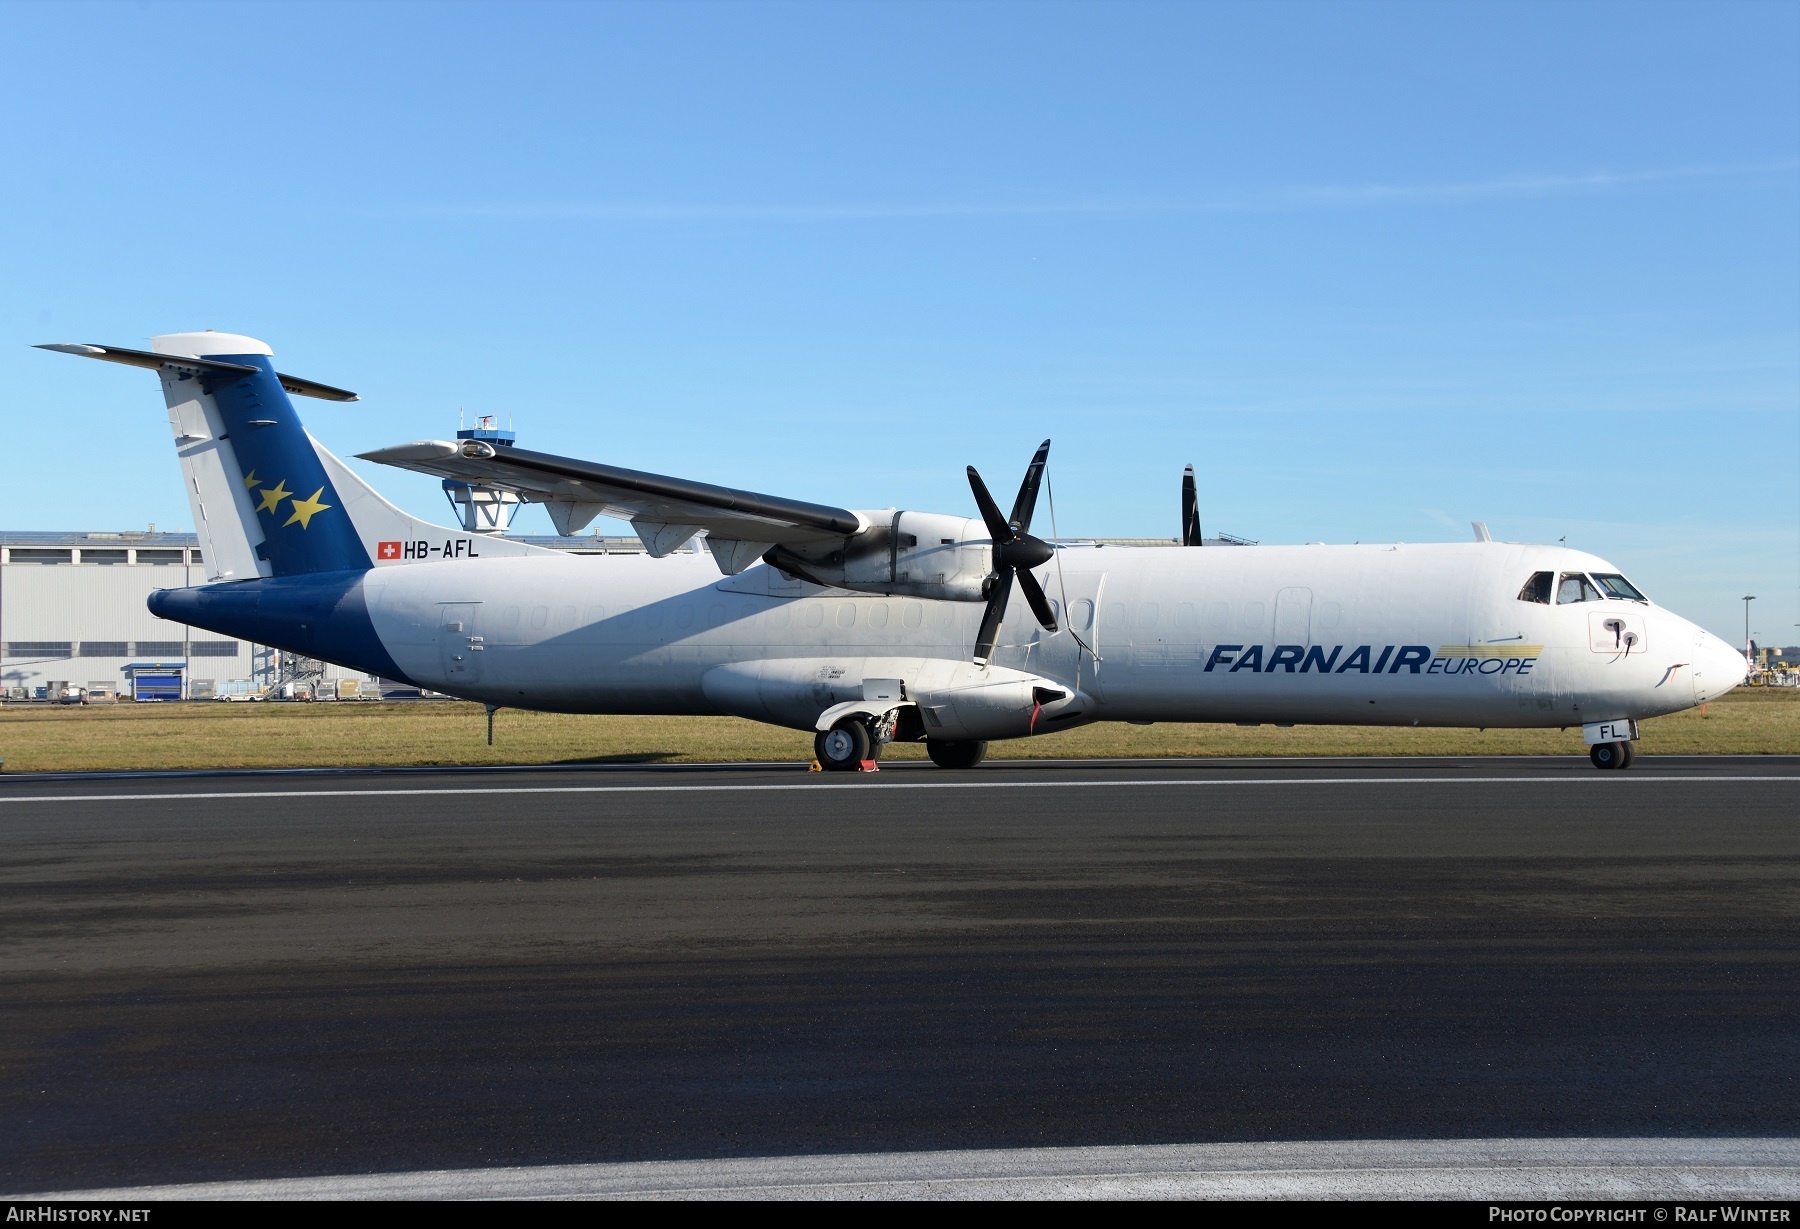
1412, 658
1285, 656
1251, 660
1221, 656
1315, 656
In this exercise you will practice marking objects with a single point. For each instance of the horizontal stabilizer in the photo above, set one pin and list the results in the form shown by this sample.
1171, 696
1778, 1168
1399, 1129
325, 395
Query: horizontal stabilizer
156, 362
587, 488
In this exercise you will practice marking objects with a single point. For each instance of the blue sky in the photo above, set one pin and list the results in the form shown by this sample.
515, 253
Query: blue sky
1378, 270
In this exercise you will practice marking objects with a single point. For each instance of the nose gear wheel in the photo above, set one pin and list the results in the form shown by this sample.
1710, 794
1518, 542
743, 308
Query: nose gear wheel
1611, 756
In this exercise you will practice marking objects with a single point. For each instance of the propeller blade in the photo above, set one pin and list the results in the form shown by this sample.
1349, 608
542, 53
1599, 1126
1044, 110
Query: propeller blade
1026, 503
997, 527
1190, 509
1034, 596
998, 595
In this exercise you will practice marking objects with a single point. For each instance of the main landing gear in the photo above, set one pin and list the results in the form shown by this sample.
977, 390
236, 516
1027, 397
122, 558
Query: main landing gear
844, 747
856, 741
955, 753
1611, 755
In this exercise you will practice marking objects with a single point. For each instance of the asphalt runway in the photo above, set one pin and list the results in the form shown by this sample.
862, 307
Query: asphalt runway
277, 975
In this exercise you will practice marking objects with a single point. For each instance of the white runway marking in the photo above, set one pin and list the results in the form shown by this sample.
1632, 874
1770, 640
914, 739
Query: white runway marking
855, 783
1485, 1169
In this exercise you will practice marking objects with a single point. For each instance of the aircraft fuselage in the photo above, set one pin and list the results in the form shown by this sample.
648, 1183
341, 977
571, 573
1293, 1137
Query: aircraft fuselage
1379, 635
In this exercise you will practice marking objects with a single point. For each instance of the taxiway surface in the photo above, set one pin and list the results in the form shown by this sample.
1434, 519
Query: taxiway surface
268, 975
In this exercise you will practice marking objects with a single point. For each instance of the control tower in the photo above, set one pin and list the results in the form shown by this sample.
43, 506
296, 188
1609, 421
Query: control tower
483, 509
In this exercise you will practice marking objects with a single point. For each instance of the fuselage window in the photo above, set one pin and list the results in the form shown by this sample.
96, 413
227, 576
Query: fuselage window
1575, 587
1537, 589
1616, 585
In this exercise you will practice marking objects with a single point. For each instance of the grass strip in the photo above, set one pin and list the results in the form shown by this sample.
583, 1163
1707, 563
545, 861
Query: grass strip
136, 737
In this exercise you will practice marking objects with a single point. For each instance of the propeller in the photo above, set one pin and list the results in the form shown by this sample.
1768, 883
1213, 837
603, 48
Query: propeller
1016, 552
1190, 510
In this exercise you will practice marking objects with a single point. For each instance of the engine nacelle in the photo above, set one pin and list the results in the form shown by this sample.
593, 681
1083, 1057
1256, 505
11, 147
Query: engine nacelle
915, 554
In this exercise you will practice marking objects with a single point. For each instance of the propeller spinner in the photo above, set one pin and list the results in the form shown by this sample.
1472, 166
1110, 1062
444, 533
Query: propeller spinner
1016, 552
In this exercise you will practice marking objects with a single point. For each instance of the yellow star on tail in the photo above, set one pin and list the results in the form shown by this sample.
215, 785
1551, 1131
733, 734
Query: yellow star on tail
273, 496
251, 481
305, 509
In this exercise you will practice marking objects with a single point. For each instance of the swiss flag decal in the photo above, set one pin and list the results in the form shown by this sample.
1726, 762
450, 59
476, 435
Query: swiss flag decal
387, 550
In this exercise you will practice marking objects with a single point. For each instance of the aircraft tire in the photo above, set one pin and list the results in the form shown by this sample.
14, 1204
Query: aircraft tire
954, 753
843, 747
1610, 756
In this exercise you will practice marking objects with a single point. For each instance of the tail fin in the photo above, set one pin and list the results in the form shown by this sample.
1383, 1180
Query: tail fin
290, 514
267, 500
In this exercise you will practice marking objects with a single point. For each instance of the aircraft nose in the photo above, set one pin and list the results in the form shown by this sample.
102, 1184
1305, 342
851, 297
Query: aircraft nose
1717, 668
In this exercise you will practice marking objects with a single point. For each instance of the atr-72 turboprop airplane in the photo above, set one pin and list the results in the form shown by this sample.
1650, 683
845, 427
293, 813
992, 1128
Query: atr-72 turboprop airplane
870, 626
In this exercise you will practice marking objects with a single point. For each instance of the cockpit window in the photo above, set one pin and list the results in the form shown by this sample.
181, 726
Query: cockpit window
1615, 585
1575, 587
1537, 589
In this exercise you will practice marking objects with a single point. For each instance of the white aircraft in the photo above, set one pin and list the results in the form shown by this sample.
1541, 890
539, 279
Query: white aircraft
869, 626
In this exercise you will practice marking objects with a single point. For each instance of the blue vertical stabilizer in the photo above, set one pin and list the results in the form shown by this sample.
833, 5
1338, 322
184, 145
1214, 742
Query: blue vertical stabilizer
304, 522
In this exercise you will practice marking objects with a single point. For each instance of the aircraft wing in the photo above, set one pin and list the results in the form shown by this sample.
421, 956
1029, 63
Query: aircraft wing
666, 511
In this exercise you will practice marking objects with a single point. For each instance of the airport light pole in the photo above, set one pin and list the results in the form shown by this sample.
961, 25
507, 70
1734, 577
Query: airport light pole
1748, 598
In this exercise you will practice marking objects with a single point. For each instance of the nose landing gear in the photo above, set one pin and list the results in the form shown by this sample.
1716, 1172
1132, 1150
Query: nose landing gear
1611, 755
